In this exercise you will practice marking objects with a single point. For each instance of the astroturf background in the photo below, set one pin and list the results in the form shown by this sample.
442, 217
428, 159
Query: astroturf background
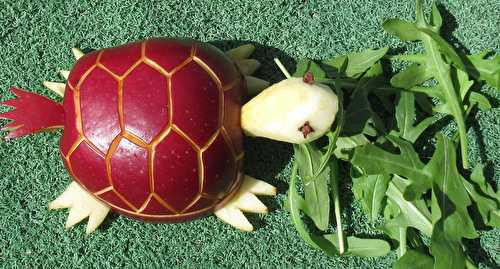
35, 38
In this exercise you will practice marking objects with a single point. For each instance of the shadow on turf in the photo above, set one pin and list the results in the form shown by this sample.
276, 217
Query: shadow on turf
265, 159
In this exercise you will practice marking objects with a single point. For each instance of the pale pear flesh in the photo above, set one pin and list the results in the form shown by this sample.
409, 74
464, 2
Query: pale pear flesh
281, 110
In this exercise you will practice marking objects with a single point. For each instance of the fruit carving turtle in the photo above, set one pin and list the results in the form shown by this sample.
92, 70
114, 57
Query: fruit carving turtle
151, 130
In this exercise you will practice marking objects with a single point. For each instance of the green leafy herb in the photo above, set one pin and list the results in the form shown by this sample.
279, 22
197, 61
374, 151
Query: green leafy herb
357, 63
482, 69
434, 64
405, 117
370, 191
422, 198
414, 259
487, 201
315, 188
451, 196
447, 252
362, 247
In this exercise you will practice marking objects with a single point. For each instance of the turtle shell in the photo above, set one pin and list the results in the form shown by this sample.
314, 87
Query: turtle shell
152, 128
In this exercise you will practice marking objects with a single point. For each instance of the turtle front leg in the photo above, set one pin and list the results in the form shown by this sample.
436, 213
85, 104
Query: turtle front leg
81, 205
245, 200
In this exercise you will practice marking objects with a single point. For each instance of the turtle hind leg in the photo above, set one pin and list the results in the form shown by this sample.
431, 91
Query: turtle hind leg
81, 205
245, 200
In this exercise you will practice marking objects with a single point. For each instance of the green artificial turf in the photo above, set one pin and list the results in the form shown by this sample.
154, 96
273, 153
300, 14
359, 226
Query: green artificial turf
35, 37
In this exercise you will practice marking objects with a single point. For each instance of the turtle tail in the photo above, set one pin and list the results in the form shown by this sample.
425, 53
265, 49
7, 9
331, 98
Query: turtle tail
32, 113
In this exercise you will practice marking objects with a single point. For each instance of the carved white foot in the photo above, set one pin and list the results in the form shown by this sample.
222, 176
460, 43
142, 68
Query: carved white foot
56, 87
255, 85
241, 52
248, 66
245, 200
81, 205
77, 53
59, 87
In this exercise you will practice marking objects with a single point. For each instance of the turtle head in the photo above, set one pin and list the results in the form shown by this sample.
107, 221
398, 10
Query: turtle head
295, 110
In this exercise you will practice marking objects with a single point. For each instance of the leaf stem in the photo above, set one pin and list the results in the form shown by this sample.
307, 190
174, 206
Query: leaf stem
282, 68
336, 204
338, 219
402, 242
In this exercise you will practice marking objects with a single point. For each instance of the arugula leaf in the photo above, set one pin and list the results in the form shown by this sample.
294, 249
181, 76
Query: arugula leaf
362, 247
296, 204
415, 260
405, 118
359, 112
412, 213
357, 63
406, 31
345, 143
484, 69
477, 176
448, 189
480, 100
419, 200
487, 201
488, 208
436, 49
374, 160
317, 199
412, 76
444, 47
308, 65
370, 191
436, 19
447, 252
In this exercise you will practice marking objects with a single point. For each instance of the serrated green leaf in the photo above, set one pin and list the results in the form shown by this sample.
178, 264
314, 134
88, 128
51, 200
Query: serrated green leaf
414, 260
418, 186
464, 84
345, 143
487, 201
405, 118
451, 196
412, 76
316, 192
359, 112
362, 247
487, 70
414, 58
307, 65
412, 213
436, 19
448, 253
357, 63
362, 61
487, 206
374, 160
477, 177
429, 91
480, 100
370, 191
444, 47
296, 204
405, 114
419, 11
406, 31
